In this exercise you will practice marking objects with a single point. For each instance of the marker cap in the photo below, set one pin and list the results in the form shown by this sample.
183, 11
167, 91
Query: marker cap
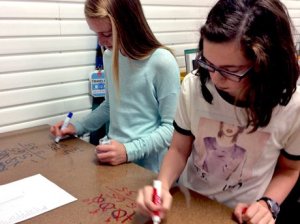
70, 114
156, 219
156, 198
157, 187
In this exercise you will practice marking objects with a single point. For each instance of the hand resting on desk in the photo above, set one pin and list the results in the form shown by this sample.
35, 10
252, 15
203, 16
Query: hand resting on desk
252, 213
113, 153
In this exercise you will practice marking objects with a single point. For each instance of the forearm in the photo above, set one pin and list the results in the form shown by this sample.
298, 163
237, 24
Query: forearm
169, 176
281, 184
94, 120
284, 179
154, 142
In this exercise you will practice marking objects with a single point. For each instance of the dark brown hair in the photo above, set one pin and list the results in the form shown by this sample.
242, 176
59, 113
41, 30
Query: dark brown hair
263, 28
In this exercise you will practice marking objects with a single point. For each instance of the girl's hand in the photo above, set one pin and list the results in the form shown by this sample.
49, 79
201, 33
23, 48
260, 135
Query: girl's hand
56, 129
113, 153
145, 205
257, 212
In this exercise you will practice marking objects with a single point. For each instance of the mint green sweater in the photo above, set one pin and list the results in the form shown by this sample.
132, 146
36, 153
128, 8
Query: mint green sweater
141, 118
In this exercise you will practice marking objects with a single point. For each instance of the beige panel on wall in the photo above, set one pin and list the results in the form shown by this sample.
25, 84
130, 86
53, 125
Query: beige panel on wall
178, 37
168, 25
74, 27
203, 3
20, 80
41, 110
44, 69
28, 9
175, 12
43, 93
71, 11
45, 61
41, 121
47, 44
292, 4
16, 28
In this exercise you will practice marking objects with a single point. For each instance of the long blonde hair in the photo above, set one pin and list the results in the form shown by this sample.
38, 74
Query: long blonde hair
130, 29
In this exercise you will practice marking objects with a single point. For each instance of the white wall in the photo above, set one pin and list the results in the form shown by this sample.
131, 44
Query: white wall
47, 53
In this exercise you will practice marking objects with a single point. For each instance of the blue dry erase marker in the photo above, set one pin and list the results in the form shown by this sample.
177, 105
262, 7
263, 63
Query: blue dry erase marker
65, 124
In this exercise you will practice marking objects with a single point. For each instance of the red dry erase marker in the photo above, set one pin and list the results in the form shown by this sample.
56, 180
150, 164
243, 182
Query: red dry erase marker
156, 198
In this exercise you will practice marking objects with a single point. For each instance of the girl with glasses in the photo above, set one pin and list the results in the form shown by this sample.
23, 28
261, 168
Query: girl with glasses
246, 78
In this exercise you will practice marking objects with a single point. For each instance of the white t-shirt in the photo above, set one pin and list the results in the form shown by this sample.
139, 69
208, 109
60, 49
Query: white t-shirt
227, 163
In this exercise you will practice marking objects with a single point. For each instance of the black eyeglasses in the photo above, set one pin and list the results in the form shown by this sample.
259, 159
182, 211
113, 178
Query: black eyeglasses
236, 77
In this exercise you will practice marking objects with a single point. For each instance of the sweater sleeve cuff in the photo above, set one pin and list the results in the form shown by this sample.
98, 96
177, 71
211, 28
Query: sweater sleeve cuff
79, 128
130, 151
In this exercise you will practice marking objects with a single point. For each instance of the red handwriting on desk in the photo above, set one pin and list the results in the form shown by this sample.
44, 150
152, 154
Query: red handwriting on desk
12, 157
115, 205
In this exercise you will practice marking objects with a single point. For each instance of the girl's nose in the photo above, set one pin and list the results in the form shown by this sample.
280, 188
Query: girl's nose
217, 78
217, 75
102, 40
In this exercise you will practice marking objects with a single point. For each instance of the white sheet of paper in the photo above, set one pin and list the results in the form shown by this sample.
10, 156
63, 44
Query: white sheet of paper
29, 197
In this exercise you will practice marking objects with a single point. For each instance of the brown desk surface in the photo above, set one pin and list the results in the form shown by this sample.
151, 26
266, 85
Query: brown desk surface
106, 194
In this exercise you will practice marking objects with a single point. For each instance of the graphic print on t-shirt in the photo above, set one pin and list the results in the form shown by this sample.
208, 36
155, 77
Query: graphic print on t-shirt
224, 154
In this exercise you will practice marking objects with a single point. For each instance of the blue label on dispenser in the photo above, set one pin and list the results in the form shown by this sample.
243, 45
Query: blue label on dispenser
97, 83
